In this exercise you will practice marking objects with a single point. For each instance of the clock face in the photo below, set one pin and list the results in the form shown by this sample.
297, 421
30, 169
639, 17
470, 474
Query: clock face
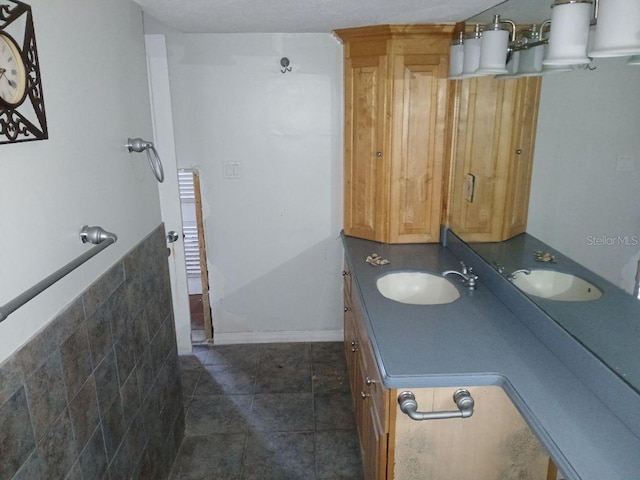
13, 77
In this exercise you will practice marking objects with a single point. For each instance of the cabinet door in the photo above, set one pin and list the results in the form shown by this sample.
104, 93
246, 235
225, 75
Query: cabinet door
484, 108
521, 156
493, 120
350, 330
419, 110
495, 442
371, 428
364, 170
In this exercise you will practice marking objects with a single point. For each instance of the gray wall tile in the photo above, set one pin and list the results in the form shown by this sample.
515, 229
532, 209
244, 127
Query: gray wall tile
97, 394
46, 394
10, 379
30, 469
84, 412
57, 449
102, 288
99, 330
107, 384
76, 360
93, 459
16, 434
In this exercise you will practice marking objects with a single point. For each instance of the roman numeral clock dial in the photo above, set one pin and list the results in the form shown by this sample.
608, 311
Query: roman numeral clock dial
13, 76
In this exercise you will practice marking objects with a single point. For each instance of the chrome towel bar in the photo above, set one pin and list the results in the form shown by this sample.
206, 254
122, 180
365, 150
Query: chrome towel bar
95, 235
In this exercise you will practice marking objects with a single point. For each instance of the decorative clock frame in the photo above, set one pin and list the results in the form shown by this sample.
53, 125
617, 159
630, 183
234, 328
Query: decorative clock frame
26, 120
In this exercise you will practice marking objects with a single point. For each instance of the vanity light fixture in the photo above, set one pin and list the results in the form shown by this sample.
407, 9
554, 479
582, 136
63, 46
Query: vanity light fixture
456, 56
617, 32
569, 36
472, 48
579, 31
494, 47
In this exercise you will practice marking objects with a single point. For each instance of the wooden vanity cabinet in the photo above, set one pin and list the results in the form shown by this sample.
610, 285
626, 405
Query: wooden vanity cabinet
495, 442
492, 138
396, 93
370, 397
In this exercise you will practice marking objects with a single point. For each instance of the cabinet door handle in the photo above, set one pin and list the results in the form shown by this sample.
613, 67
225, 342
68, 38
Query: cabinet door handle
346, 309
364, 396
354, 346
461, 397
378, 154
369, 381
519, 151
345, 273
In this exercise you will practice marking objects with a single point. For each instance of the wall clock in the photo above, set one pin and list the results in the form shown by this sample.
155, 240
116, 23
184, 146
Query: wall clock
22, 114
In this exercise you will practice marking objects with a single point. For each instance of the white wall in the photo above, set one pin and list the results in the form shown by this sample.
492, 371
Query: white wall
579, 196
93, 68
272, 235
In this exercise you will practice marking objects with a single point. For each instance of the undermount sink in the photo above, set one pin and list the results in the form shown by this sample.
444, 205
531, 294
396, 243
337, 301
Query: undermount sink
559, 286
417, 288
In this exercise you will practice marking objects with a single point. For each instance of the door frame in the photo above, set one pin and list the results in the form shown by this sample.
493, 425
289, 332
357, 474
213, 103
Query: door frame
164, 140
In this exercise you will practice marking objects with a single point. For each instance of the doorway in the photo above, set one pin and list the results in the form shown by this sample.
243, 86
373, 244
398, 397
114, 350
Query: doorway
195, 256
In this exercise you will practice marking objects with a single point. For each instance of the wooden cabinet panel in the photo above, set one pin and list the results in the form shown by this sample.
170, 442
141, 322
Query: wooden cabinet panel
396, 94
370, 397
493, 135
417, 147
495, 442
523, 142
365, 197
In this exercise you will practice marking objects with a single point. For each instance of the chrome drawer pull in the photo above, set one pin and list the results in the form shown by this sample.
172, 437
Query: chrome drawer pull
462, 397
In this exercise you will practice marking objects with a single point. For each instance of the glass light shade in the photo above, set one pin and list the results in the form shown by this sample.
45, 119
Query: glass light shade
456, 60
456, 56
471, 55
635, 60
513, 65
493, 52
617, 33
531, 60
569, 33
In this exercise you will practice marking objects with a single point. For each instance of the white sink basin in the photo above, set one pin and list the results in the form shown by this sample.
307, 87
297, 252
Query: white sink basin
556, 286
417, 288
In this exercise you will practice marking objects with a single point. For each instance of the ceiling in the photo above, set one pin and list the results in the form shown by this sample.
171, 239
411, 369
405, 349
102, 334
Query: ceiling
306, 16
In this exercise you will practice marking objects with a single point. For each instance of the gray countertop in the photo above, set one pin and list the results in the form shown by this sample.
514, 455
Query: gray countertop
476, 340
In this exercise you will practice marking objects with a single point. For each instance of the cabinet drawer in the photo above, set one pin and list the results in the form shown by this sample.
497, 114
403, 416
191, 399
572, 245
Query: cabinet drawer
378, 394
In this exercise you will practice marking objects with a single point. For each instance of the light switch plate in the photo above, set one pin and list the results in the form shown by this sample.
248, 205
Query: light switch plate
232, 170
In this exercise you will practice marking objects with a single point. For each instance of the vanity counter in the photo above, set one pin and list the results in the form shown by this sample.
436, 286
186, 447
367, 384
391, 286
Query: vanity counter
477, 340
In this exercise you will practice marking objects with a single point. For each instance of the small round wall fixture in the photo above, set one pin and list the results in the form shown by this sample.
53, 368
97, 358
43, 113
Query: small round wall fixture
284, 63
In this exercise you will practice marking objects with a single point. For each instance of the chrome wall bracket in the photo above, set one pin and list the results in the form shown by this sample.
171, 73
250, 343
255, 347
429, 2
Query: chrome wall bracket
461, 397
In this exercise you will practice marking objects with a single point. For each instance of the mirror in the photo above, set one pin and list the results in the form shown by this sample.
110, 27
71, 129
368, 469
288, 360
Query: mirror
585, 198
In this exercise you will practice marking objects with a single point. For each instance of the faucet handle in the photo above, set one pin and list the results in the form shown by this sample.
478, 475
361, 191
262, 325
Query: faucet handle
465, 270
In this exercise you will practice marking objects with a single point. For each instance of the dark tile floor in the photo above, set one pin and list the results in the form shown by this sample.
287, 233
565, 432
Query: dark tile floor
267, 411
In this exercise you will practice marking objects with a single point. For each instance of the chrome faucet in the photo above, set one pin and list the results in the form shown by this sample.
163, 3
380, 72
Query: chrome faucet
513, 275
467, 275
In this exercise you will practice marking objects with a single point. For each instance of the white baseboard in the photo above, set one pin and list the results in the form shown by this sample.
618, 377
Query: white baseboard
232, 338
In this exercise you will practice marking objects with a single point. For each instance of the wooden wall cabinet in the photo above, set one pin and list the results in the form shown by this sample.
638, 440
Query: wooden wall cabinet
495, 442
396, 99
492, 138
